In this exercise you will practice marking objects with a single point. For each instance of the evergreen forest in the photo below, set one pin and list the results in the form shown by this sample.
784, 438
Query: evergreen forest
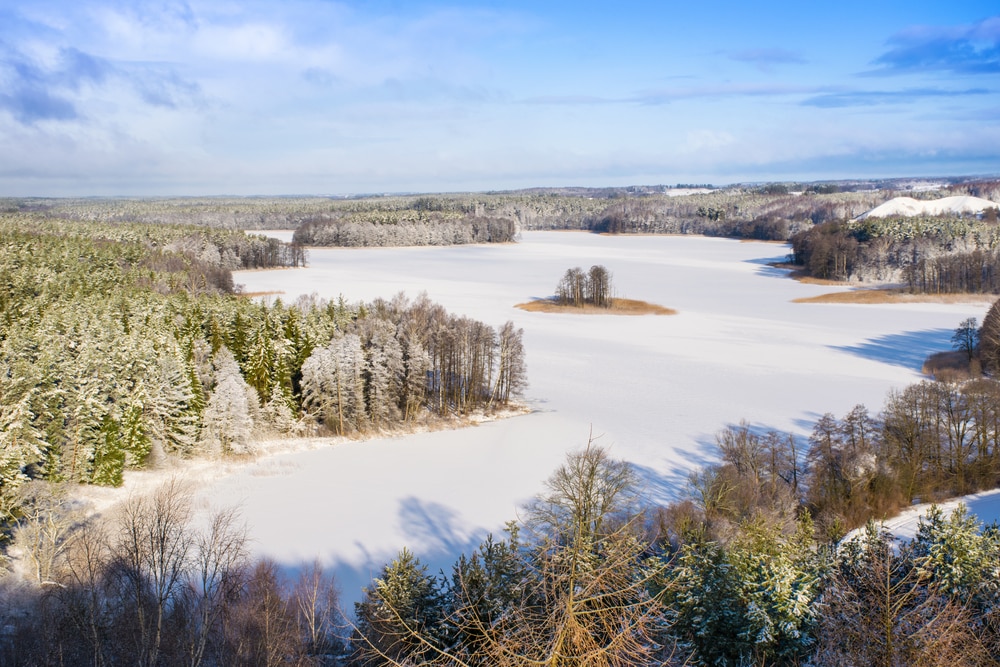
122, 344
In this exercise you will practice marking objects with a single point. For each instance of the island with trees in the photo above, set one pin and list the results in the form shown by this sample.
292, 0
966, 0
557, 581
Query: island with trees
591, 292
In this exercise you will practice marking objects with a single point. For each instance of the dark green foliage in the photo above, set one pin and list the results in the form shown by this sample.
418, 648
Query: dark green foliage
485, 588
402, 615
109, 457
989, 339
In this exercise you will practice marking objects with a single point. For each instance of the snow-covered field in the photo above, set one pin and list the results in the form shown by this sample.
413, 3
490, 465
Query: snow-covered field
908, 206
655, 390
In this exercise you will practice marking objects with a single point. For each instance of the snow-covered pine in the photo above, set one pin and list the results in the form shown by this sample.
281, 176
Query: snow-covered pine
228, 424
385, 371
333, 384
166, 398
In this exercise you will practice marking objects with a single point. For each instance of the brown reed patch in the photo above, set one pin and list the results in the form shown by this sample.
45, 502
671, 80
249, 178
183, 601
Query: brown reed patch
952, 365
895, 295
618, 307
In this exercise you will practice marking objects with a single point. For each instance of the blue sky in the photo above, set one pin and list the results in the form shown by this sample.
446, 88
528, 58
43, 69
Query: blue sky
118, 97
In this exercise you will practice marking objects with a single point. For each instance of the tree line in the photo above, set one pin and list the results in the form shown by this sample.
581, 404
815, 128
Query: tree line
777, 211
421, 229
930, 255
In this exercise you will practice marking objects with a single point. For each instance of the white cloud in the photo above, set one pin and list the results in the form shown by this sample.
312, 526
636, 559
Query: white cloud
247, 42
698, 141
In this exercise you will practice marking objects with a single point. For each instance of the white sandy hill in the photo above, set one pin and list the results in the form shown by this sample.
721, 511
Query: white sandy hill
908, 206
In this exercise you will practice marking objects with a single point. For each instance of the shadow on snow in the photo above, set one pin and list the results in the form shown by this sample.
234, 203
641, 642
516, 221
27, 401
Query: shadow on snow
908, 349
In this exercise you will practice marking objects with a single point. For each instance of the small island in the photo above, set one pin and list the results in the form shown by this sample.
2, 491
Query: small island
591, 293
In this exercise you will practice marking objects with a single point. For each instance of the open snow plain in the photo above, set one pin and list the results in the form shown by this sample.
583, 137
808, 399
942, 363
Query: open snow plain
653, 389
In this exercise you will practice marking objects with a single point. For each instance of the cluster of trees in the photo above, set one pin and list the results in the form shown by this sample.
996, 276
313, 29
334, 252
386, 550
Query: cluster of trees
404, 358
932, 255
110, 360
932, 440
976, 272
422, 229
735, 575
579, 288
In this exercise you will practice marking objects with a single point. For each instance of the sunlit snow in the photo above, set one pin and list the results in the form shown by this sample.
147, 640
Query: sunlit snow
654, 389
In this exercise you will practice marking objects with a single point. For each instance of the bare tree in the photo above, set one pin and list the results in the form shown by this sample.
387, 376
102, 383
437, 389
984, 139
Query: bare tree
966, 337
151, 555
261, 628
599, 286
216, 577
315, 603
45, 530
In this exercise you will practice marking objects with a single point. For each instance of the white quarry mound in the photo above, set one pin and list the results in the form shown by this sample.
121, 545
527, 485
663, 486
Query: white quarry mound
907, 206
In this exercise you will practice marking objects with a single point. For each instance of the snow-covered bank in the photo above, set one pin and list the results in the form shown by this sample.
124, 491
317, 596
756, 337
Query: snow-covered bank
654, 389
985, 505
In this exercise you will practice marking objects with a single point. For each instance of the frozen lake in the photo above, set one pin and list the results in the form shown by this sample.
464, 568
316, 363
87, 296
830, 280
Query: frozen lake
653, 389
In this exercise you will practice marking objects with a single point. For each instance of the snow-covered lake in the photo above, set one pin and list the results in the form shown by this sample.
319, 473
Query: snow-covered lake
655, 390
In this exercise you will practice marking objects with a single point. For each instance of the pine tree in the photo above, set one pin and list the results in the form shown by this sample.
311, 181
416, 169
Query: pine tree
402, 615
228, 424
166, 396
21, 444
109, 457
752, 601
384, 370
958, 558
277, 413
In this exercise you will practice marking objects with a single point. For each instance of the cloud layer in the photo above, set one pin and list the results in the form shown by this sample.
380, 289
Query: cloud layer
314, 96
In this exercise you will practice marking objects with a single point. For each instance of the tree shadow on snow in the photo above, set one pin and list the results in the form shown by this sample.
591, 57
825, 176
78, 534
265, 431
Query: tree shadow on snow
765, 268
436, 527
432, 532
908, 349
660, 487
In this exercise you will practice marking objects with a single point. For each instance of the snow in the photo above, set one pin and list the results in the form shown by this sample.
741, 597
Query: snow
985, 505
907, 206
685, 192
654, 389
